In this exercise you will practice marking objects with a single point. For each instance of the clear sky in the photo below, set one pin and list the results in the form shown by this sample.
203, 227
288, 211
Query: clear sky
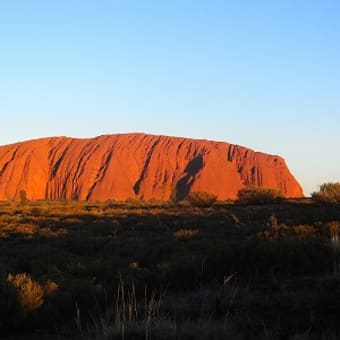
263, 74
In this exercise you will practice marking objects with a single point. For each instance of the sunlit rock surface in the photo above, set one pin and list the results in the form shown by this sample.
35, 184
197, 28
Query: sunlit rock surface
136, 165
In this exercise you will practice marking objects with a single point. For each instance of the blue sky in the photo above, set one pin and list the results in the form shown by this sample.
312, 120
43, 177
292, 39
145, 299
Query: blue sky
263, 74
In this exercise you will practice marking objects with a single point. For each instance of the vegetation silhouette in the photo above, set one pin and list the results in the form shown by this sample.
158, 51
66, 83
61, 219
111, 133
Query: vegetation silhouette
328, 193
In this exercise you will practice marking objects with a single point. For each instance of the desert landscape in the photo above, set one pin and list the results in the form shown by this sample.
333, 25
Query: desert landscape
169, 170
155, 237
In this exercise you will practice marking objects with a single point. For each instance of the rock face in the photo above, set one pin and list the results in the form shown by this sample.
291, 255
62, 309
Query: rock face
136, 165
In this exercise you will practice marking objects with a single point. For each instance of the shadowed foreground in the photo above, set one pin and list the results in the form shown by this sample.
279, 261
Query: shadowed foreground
151, 270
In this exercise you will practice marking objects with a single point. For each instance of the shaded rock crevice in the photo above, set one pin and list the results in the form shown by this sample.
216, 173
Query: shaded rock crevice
136, 187
184, 184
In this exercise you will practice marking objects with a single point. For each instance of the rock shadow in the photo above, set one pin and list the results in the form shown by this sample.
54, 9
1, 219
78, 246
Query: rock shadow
184, 184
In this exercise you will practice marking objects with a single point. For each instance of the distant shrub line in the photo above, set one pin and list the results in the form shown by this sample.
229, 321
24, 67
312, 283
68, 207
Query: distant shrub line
328, 193
252, 195
201, 198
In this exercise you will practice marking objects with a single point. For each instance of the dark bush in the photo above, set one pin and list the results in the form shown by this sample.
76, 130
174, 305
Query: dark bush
328, 193
250, 195
201, 199
36, 212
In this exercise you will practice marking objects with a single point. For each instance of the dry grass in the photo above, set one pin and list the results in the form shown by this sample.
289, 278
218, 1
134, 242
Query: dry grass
201, 199
85, 247
185, 234
30, 292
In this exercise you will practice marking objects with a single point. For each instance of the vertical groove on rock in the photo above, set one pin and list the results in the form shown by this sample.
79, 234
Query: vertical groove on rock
101, 173
136, 187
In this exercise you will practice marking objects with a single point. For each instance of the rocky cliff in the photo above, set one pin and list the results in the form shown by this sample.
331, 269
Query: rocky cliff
136, 165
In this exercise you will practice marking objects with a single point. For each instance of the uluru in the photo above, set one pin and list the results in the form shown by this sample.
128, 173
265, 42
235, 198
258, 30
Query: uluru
136, 165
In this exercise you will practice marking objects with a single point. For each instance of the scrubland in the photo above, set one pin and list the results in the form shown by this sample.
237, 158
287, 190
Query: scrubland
159, 270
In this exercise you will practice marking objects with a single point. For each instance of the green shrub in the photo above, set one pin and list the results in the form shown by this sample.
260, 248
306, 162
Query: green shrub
328, 193
250, 195
201, 199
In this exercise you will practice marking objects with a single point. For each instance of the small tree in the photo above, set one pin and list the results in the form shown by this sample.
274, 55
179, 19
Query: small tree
328, 193
251, 195
23, 196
